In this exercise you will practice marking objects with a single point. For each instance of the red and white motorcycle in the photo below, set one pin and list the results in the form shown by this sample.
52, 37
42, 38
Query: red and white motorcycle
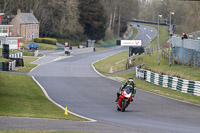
124, 99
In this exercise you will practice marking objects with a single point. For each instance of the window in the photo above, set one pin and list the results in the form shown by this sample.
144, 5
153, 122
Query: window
36, 35
32, 26
5, 30
35, 26
28, 35
29, 26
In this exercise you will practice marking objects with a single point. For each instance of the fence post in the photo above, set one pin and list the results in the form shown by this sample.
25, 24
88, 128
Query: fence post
188, 60
178, 58
194, 60
173, 58
183, 59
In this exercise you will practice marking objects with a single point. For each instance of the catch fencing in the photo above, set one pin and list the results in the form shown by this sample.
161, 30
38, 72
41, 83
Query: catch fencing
186, 51
174, 83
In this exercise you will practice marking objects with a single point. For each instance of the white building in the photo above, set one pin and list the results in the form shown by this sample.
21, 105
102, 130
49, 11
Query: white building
6, 37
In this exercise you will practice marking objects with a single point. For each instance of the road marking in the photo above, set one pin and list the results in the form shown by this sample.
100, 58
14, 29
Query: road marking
60, 106
61, 57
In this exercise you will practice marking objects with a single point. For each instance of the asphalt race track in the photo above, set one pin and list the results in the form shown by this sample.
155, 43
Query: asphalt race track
72, 82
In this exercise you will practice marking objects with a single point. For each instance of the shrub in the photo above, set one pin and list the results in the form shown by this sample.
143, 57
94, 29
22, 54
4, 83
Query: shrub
50, 41
46, 40
38, 40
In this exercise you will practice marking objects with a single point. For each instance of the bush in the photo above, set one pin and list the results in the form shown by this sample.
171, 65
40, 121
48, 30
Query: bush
46, 40
38, 40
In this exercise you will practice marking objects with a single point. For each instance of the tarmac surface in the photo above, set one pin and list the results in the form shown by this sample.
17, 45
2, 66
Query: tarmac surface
72, 82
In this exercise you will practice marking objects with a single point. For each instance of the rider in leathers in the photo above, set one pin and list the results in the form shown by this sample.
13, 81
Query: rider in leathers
132, 84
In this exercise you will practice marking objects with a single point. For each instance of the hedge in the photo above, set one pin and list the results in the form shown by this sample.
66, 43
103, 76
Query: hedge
46, 40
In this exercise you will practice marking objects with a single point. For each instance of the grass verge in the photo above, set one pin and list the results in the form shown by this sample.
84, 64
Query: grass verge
21, 97
30, 131
27, 64
135, 32
41, 46
113, 63
151, 63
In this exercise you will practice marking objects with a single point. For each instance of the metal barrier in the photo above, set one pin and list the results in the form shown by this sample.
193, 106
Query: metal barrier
186, 51
186, 43
174, 83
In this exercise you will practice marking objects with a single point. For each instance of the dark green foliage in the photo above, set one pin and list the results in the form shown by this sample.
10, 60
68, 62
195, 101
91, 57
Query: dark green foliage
93, 19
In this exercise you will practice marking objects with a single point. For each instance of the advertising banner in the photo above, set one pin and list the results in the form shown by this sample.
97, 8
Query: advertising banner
131, 43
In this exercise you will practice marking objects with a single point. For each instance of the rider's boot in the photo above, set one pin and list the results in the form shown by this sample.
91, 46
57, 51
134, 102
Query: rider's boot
117, 97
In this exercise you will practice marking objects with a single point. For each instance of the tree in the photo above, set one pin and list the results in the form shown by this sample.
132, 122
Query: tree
93, 19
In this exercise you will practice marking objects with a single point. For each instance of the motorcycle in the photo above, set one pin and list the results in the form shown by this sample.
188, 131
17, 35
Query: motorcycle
124, 99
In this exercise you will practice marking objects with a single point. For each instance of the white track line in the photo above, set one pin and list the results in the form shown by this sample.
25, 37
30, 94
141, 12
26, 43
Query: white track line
60, 106
46, 94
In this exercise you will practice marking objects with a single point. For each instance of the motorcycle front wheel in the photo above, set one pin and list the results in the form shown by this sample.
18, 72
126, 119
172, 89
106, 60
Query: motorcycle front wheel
124, 105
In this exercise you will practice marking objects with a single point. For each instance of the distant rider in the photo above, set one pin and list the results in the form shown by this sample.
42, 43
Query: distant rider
129, 82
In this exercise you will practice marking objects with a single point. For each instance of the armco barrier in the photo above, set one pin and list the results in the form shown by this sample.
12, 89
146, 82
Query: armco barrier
178, 84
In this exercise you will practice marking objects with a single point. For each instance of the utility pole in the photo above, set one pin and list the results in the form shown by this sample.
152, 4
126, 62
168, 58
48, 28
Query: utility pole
158, 45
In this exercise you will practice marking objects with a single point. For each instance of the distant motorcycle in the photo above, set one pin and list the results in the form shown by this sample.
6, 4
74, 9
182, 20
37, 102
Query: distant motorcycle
124, 99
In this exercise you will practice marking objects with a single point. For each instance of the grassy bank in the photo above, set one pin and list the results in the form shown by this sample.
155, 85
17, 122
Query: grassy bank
151, 62
135, 32
41, 46
185, 72
113, 63
30, 131
21, 97
27, 64
101, 67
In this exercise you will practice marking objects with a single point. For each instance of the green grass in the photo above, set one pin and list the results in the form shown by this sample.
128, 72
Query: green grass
27, 66
135, 32
30, 131
26, 53
101, 49
42, 46
151, 63
141, 84
113, 63
21, 97
110, 41
70, 42
4, 60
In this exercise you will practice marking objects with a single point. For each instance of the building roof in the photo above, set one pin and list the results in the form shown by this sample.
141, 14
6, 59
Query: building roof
1, 14
5, 26
29, 18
